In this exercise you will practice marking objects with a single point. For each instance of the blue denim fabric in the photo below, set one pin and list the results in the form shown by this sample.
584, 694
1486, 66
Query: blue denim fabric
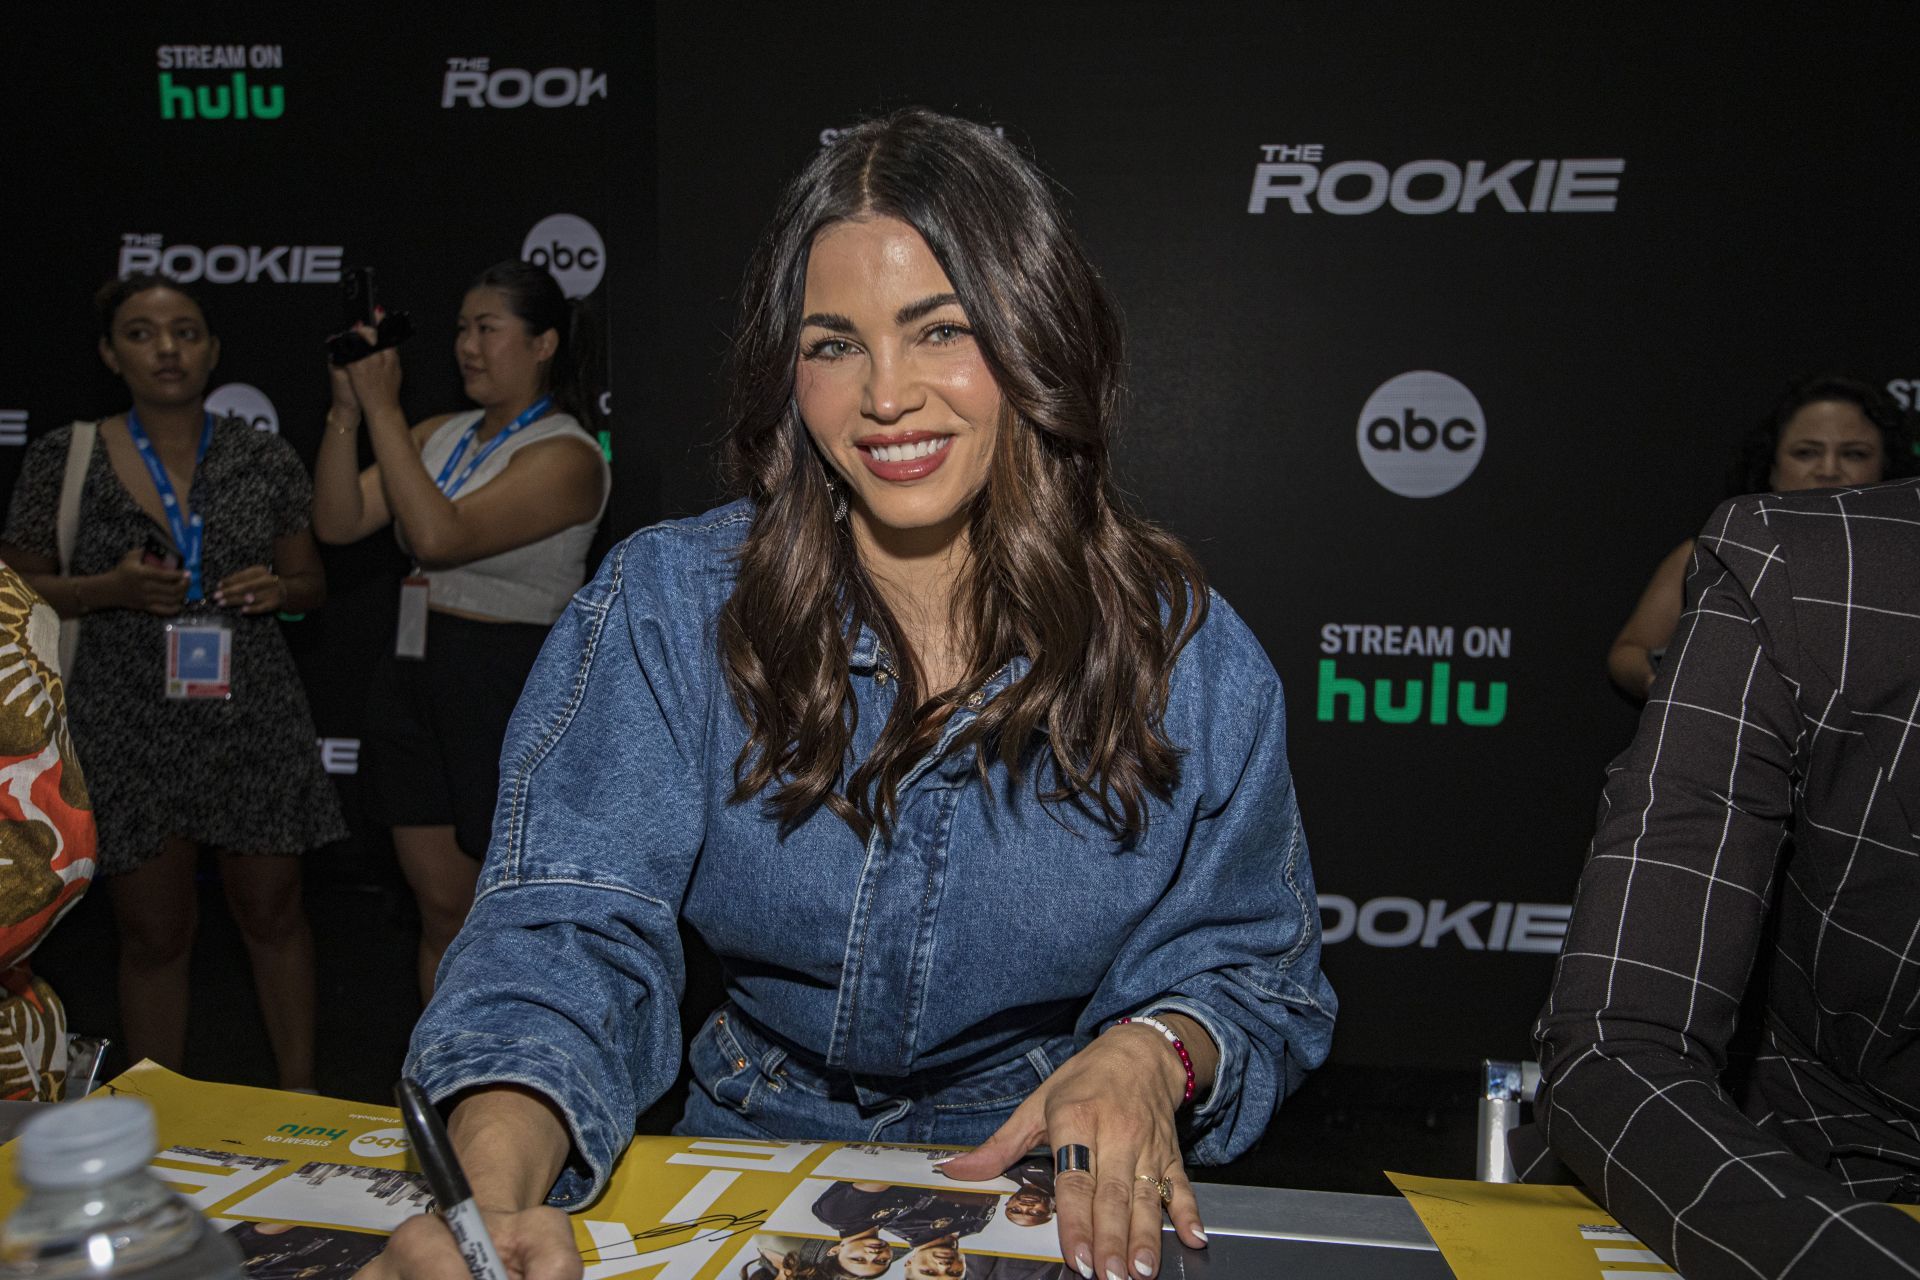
911, 990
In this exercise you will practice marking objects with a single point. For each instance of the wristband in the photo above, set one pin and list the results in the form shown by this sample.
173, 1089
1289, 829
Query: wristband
1178, 1047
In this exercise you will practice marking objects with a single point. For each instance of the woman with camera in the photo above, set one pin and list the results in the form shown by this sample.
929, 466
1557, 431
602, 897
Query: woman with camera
186, 534
497, 506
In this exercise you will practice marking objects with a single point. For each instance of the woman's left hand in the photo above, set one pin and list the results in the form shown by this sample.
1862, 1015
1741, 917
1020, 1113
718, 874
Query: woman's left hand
1117, 1098
254, 589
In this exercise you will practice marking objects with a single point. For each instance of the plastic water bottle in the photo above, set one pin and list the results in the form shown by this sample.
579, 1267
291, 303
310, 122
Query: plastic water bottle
92, 1209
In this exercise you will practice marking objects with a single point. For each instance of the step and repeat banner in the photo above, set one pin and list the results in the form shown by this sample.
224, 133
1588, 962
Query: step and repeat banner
258, 152
1442, 328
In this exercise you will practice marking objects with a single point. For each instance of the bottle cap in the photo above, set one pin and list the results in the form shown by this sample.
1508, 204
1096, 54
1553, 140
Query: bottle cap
83, 1144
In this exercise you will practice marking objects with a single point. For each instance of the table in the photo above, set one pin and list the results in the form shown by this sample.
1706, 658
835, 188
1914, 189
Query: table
1256, 1233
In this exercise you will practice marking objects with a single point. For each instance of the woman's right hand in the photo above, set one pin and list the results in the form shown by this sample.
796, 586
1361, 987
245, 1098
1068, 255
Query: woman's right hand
146, 588
535, 1244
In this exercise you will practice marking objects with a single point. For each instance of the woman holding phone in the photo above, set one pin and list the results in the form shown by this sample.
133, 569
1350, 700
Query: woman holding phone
497, 506
184, 702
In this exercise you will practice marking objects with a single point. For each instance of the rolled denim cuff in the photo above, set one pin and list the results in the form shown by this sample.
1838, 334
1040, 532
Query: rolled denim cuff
1202, 1134
476, 1059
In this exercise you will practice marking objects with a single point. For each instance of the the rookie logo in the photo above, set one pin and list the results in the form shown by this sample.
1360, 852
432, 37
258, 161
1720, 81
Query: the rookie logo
1421, 434
1296, 177
230, 263
476, 82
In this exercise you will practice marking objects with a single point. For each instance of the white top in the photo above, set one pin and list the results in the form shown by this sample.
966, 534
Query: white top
527, 584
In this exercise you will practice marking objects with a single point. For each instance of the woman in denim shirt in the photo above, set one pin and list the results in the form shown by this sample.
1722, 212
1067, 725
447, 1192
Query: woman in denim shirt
979, 740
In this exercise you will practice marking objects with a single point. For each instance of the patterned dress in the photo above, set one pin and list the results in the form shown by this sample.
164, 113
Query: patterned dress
46, 840
242, 774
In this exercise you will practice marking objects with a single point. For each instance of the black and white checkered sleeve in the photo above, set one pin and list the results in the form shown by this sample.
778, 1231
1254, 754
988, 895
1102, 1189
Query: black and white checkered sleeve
1670, 911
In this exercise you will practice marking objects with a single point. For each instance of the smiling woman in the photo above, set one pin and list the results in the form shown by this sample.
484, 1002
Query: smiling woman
978, 793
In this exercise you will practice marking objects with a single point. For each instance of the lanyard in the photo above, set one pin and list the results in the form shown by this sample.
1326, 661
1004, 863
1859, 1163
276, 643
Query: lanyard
534, 411
187, 530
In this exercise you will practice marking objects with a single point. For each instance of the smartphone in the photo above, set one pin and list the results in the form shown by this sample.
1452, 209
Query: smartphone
155, 552
356, 298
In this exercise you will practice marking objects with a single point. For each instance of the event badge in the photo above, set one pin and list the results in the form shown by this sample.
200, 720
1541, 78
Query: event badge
200, 643
200, 657
410, 637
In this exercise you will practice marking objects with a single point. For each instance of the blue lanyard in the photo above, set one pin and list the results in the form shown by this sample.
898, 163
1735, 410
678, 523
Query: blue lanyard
534, 412
187, 530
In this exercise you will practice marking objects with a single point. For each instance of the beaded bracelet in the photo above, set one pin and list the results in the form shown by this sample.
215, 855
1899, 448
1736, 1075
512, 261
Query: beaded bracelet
1178, 1047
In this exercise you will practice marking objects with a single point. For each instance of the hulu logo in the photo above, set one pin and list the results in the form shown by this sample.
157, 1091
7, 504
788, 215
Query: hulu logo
235, 100
1405, 701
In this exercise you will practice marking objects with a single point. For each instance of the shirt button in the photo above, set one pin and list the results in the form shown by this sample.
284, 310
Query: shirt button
881, 677
974, 698
739, 1064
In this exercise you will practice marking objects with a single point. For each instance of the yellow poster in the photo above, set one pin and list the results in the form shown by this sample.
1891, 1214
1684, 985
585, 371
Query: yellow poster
1509, 1231
310, 1186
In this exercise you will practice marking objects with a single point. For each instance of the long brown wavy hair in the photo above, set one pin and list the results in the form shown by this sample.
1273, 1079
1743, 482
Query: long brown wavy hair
1058, 571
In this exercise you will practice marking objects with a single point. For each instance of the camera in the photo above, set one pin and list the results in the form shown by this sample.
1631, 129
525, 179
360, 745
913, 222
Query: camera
359, 307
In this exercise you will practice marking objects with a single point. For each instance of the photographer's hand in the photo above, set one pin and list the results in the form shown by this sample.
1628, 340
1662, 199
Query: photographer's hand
375, 379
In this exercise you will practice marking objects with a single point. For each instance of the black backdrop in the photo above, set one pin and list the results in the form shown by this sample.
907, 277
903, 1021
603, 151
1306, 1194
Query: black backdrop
1728, 207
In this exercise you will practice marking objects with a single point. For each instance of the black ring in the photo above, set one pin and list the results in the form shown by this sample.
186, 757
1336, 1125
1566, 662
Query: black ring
1072, 1158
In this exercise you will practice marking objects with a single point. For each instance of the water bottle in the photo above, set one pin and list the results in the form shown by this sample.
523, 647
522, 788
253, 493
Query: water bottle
92, 1209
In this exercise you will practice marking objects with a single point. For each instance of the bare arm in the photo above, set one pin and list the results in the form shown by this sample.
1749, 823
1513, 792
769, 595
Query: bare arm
511, 1143
348, 502
129, 585
547, 487
1650, 626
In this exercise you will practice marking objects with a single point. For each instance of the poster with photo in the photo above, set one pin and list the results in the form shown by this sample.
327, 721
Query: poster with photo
310, 1186
284, 1251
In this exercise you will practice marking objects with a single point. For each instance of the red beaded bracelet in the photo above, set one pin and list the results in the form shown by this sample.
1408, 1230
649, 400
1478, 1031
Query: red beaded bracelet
1173, 1040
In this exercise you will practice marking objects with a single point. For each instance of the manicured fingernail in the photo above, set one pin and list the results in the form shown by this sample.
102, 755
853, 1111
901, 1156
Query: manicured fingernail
1143, 1263
1083, 1263
944, 1160
249, 597
1113, 1271
1199, 1235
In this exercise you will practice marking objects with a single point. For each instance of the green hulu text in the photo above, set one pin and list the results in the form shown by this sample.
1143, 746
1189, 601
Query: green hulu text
235, 100
1406, 701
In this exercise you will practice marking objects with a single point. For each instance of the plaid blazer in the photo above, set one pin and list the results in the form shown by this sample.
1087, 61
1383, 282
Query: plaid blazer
1757, 843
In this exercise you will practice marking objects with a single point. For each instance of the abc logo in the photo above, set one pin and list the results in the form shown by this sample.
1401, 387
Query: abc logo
238, 400
1421, 434
381, 1142
571, 249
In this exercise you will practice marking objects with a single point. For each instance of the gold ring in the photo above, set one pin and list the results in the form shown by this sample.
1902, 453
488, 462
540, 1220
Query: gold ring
1163, 1185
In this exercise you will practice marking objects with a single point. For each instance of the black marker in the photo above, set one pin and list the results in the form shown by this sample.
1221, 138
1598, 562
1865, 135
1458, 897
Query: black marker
448, 1182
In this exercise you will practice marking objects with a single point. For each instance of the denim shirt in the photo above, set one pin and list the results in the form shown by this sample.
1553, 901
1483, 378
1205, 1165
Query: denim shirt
944, 971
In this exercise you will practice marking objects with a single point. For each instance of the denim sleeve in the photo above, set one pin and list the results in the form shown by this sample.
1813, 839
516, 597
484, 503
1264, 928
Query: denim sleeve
1235, 942
567, 976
